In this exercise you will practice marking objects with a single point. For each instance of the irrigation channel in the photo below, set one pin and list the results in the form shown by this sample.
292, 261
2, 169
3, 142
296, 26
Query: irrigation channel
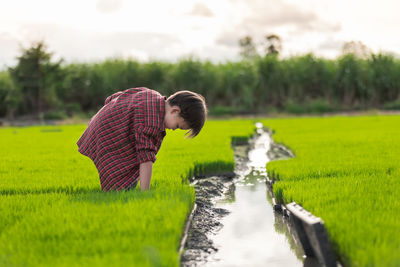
233, 223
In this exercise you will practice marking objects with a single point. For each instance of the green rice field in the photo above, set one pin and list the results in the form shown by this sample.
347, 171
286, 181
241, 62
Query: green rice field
346, 170
53, 212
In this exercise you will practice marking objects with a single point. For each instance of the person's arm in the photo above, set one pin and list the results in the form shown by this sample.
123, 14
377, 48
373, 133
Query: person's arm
145, 172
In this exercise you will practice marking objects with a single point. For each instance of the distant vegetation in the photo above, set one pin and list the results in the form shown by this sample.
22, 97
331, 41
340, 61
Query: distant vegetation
302, 84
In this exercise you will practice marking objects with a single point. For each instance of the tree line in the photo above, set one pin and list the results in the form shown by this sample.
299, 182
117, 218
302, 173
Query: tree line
42, 88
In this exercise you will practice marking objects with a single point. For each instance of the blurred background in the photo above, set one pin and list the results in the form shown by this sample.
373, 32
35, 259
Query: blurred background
61, 59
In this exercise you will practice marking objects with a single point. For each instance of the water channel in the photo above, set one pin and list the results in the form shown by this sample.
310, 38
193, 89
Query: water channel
250, 233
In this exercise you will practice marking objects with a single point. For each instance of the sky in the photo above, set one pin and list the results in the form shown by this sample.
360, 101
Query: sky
94, 30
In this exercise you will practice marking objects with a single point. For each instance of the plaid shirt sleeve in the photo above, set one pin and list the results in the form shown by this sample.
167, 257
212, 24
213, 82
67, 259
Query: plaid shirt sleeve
149, 126
145, 146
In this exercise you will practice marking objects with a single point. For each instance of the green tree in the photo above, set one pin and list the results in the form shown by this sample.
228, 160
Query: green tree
35, 78
6, 87
247, 48
357, 48
273, 44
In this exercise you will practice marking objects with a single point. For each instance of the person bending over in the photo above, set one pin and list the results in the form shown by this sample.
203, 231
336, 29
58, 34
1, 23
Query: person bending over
124, 136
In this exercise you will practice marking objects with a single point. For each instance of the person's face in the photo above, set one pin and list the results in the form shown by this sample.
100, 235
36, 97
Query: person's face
174, 121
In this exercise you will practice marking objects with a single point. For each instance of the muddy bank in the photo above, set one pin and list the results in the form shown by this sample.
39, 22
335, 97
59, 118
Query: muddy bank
207, 217
278, 151
206, 220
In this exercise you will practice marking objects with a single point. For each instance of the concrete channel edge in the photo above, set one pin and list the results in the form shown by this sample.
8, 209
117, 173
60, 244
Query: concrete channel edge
310, 230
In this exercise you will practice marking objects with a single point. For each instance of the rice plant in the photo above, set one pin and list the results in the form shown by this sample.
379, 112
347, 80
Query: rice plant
53, 212
346, 170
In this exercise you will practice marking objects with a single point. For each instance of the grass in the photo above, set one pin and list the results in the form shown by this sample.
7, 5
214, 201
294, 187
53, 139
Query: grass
53, 212
346, 171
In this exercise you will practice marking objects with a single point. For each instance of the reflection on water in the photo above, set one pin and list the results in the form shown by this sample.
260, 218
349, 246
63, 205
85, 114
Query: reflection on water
253, 235
283, 226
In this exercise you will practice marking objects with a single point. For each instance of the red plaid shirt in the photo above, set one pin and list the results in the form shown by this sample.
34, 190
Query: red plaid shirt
125, 132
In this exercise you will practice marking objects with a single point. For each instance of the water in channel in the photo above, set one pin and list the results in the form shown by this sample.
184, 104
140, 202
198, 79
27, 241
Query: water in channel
252, 234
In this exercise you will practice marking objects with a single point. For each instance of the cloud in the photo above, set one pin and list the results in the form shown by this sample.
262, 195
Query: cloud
279, 16
79, 45
9, 47
201, 10
229, 38
270, 16
331, 44
109, 6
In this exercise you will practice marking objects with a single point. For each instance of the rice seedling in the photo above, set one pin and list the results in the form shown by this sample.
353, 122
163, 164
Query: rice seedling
53, 212
346, 170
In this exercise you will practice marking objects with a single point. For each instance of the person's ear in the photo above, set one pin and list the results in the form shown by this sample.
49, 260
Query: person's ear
176, 109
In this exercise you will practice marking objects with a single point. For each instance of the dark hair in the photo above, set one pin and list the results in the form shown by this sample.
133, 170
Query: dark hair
193, 109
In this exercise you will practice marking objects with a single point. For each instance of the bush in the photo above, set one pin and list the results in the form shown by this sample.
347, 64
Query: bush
299, 84
319, 106
222, 110
294, 107
315, 106
55, 115
394, 105
72, 109
5, 88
